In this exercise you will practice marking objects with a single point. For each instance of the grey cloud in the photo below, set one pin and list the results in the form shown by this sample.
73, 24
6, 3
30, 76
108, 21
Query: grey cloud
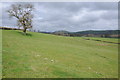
71, 16
110, 15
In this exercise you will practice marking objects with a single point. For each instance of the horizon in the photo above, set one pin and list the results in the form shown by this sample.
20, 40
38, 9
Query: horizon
60, 30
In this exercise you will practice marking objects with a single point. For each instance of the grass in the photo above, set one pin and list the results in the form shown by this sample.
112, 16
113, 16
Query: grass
114, 40
49, 56
0, 54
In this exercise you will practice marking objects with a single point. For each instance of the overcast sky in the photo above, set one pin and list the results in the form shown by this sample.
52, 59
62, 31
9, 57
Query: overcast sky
69, 16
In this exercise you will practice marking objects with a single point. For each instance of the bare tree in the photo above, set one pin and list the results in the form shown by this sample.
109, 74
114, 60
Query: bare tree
23, 13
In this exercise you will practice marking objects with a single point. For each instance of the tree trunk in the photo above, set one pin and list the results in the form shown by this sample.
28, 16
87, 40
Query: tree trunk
24, 30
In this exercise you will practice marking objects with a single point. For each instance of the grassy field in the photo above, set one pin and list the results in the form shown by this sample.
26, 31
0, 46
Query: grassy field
114, 40
41, 55
0, 54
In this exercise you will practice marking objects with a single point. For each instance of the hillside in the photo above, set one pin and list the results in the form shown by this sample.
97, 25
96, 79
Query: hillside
40, 55
91, 33
100, 32
0, 54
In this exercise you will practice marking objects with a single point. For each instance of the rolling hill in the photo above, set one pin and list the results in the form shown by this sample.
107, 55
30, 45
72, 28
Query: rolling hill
39, 55
90, 33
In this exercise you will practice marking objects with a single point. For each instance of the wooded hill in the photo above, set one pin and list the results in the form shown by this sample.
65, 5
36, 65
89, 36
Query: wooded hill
90, 33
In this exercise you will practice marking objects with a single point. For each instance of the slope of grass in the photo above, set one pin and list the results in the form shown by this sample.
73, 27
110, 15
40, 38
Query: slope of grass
41, 55
114, 40
0, 54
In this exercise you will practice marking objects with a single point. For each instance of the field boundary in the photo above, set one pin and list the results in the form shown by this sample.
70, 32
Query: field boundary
102, 41
6, 28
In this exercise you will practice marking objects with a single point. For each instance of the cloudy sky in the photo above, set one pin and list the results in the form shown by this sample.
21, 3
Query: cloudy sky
69, 16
